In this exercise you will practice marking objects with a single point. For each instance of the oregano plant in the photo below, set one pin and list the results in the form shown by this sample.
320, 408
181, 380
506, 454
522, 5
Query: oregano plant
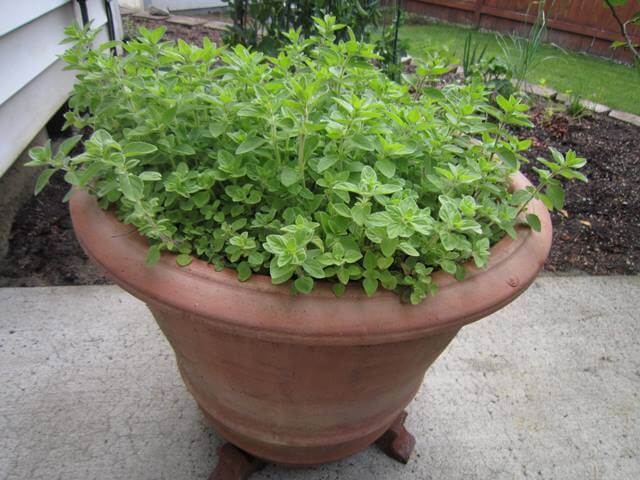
307, 166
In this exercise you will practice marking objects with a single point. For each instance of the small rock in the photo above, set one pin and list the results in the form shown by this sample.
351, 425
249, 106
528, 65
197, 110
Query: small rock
216, 25
143, 14
160, 12
124, 11
539, 90
188, 21
594, 107
625, 117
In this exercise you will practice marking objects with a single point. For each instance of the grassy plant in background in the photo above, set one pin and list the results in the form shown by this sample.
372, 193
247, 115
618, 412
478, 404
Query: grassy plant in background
597, 79
389, 47
575, 107
521, 53
309, 165
489, 70
472, 56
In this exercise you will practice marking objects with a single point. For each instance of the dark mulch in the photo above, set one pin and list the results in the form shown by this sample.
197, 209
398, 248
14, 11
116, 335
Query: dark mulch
174, 31
43, 249
599, 231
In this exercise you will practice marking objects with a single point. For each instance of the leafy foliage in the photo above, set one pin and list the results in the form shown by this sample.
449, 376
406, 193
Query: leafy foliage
624, 28
491, 71
520, 54
263, 24
389, 46
311, 165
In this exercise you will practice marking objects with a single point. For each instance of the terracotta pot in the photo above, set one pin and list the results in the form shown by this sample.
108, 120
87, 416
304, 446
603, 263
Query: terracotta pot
312, 378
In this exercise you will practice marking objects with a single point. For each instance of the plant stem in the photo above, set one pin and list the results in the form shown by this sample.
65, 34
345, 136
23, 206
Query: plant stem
537, 190
301, 142
623, 30
274, 138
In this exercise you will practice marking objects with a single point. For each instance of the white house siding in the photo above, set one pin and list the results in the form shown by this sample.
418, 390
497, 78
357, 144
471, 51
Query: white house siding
33, 85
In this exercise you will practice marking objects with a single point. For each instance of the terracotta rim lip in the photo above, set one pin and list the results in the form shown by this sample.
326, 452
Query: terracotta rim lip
270, 310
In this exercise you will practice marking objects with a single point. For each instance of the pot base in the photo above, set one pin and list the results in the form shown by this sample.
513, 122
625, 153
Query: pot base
397, 442
236, 464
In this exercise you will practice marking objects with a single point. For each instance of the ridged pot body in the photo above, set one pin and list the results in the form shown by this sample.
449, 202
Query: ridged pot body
296, 403
308, 379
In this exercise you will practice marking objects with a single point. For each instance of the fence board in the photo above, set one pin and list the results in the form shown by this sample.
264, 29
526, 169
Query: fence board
585, 25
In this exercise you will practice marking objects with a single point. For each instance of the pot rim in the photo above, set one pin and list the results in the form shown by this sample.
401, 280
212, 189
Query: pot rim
259, 308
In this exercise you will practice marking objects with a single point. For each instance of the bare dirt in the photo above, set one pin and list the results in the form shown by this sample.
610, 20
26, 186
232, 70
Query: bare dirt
599, 230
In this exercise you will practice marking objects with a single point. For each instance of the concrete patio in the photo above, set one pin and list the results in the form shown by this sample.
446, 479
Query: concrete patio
548, 388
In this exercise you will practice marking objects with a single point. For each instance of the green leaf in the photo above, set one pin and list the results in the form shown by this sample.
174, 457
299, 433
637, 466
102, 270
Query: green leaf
556, 195
156, 34
434, 93
150, 176
153, 255
43, 180
342, 210
448, 266
370, 285
359, 214
288, 176
201, 198
184, 149
40, 155
508, 157
69, 144
131, 186
370, 260
384, 262
408, 249
280, 274
250, 144
386, 167
216, 129
244, 271
136, 149
388, 246
72, 178
313, 268
361, 142
326, 162
534, 222
338, 289
304, 284
183, 259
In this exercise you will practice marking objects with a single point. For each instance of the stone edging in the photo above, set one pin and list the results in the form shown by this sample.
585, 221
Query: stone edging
179, 19
550, 93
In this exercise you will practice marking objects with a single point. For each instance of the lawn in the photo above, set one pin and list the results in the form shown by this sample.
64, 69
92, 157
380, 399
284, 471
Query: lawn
589, 77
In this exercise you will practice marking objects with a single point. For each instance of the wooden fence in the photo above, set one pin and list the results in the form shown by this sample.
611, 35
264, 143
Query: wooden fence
583, 25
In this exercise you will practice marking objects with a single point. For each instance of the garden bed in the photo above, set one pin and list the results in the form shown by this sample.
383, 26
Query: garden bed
175, 31
598, 230
596, 233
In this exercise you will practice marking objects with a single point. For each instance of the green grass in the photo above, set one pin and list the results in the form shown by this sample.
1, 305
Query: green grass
593, 78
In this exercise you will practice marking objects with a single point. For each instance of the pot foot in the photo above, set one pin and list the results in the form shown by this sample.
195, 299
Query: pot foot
235, 464
397, 442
